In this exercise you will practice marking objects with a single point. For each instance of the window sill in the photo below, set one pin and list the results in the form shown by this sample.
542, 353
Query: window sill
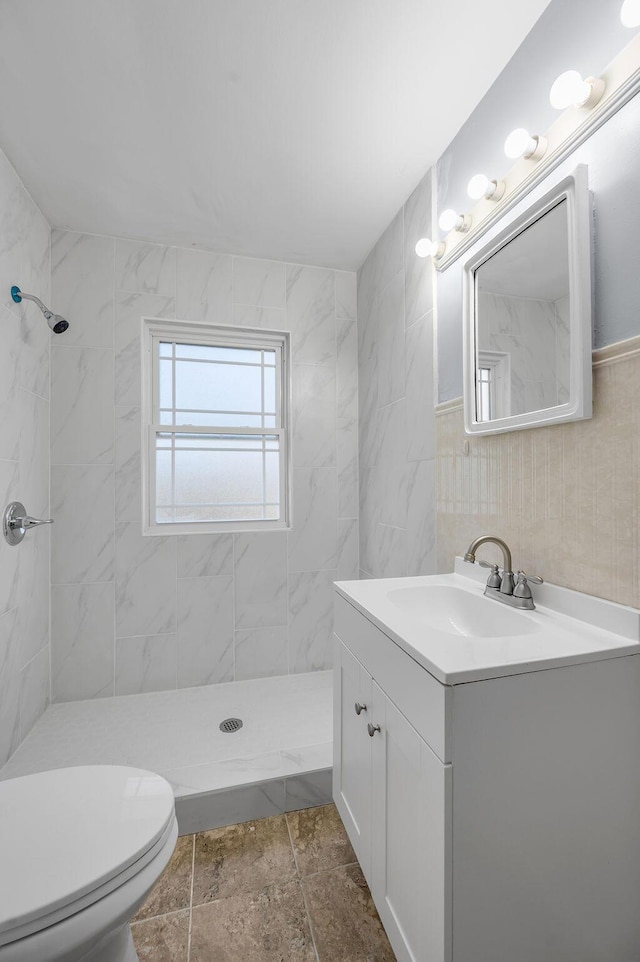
213, 527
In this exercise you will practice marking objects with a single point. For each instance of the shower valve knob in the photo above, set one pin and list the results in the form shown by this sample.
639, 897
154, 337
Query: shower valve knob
16, 522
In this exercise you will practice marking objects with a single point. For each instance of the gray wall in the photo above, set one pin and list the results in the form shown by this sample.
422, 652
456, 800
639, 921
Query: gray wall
396, 398
133, 613
585, 35
24, 462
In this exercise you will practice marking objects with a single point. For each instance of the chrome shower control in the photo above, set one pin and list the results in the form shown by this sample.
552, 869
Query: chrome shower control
360, 708
16, 522
372, 729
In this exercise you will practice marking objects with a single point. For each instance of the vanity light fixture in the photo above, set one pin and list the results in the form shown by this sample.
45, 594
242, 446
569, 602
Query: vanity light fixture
520, 143
570, 90
630, 13
602, 96
428, 248
449, 220
480, 187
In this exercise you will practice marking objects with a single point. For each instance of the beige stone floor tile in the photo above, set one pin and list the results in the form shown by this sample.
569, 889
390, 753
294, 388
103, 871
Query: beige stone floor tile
172, 891
345, 923
319, 839
241, 859
269, 925
164, 938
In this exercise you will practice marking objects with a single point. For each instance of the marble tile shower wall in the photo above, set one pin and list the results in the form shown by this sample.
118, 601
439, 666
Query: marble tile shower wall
534, 334
130, 613
396, 399
24, 462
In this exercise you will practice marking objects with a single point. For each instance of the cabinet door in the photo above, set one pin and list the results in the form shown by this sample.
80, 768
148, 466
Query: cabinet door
352, 752
411, 856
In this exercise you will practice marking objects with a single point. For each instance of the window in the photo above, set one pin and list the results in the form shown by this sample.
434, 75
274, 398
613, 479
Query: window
493, 385
485, 385
215, 424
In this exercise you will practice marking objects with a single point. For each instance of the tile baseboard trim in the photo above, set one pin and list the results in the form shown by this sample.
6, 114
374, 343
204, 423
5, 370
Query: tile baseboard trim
446, 407
614, 353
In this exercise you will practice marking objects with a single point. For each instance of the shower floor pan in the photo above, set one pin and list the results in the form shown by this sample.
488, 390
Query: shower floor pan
279, 760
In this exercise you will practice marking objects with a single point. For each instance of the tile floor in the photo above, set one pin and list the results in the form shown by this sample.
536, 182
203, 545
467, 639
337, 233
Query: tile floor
282, 889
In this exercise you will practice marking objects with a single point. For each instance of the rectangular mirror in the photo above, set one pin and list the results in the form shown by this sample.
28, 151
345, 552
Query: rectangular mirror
527, 314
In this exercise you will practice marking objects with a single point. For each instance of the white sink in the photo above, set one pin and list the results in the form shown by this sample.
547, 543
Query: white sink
458, 612
449, 627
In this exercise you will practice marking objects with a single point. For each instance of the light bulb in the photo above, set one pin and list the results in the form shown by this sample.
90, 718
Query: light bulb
517, 143
427, 248
570, 90
481, 187
449, 220
520, 143
630, 13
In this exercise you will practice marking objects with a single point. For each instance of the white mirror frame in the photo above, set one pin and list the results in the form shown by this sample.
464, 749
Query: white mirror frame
574, 189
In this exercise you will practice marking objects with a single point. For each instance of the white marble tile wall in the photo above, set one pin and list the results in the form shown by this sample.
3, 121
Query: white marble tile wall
24, 461
535, 336
396, 399
133, 614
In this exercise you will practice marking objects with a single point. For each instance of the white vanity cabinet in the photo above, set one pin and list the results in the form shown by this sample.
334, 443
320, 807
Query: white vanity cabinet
352, 758
496, 820
393, 794
410, 804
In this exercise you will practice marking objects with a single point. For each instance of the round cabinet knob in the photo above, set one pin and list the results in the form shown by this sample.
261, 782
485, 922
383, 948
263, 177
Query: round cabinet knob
360, 708
372, 729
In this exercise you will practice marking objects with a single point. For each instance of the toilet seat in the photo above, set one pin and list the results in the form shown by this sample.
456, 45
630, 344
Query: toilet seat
70, 836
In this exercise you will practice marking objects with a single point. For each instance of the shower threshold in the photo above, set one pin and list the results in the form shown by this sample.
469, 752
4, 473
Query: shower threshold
279, 760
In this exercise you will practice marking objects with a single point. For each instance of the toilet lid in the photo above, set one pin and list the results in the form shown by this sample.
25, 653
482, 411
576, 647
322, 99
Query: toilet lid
65, 833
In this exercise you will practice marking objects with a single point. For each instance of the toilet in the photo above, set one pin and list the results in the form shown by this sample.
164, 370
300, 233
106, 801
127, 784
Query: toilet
80, 848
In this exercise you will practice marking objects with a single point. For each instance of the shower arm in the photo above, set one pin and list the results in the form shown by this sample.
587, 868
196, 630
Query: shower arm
36, 300
56, 322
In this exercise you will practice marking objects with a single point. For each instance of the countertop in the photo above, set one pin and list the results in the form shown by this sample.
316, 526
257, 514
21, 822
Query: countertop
566, 627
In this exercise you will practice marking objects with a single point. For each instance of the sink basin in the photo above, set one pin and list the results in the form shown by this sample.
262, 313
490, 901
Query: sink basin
446, 624
459, 612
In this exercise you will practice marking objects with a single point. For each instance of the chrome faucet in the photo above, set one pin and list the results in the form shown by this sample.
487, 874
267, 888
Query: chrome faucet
502, 587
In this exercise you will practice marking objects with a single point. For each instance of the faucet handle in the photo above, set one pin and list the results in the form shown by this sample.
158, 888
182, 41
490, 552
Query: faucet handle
534, 579
494, 580
522, 589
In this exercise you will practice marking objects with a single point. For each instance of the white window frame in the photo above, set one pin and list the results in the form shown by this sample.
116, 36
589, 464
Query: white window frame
499, 365
155, 330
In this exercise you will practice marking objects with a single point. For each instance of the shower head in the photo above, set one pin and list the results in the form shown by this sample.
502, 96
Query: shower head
56, 322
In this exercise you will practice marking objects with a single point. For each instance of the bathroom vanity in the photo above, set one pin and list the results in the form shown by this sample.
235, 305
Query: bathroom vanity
487, 768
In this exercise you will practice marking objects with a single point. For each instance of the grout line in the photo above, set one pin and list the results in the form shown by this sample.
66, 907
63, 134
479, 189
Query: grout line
293, 848
114, 462
161, 915
49, 488
233, 597
176, 672
193, 868
334, 868
300, 880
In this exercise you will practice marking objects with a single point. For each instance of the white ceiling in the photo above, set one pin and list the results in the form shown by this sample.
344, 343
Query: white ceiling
291, 129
